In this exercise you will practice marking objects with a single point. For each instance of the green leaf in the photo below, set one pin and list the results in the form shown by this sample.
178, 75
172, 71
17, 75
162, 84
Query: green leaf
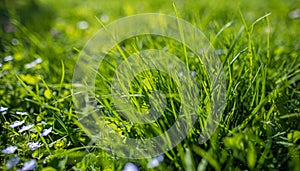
199, 151
251, 156
49, 169
294, 136
47, 94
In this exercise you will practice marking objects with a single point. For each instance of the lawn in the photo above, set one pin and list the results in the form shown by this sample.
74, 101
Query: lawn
237, 98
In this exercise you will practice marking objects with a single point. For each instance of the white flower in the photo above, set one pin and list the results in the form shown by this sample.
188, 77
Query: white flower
9, 149
33, 63
46, 159
33, 145
82, 25
16, 124
30, 165
193, 73
294, 14
12, 162
155, 161
219, 52
21, 113
3, 109
180, 74
130, 167
25, 128
104, 18
8, 58
46, 132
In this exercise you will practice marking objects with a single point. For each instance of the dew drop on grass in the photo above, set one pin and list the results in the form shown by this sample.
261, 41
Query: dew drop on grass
14, 41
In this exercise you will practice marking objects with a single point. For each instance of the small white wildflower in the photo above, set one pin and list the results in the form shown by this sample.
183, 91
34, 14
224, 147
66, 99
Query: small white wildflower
82, 25
9, 150
33, 145
30, 165
104, 18
180, 74
30, 65
165, 48
8, 58
3, 109
219, 52
46, 132
21, 113
294, 14
155, 161
12, 162
45, 160
193, 73
130, 167
25, 128
37, 61
33, 63
16, 124
201, 51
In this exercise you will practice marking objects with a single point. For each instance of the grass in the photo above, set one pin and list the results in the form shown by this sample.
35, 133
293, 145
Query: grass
257, 43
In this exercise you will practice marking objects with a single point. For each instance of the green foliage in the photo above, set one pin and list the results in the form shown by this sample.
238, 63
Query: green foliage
256, 41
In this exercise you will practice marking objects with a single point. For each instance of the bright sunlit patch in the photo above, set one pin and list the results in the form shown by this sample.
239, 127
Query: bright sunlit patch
30, 79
